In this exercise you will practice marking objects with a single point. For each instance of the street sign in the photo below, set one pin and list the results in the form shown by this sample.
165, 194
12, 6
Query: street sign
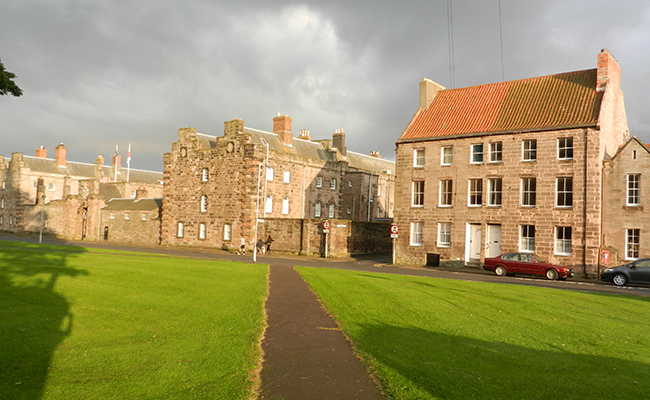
394, 235
326, 225
394, 229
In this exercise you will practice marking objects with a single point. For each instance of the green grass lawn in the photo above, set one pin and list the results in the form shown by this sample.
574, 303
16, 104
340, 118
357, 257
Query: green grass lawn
428, 338
82, 325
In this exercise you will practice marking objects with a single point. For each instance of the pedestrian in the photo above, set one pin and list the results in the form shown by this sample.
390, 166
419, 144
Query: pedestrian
260, 247
105, 233
269, 240
242, 247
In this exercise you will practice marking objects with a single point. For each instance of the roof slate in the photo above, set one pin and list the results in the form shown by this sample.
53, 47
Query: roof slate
540, 103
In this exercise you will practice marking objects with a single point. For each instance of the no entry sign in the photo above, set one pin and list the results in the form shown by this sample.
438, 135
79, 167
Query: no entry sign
326, 225
394, 229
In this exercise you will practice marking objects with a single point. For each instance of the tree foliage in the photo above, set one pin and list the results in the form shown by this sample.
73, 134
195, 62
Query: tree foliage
7, 84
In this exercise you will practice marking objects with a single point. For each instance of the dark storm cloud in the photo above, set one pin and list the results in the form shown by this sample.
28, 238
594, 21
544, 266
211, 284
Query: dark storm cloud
96, 74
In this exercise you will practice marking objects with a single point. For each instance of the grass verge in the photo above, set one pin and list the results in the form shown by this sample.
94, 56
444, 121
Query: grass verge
428, 338
81, 325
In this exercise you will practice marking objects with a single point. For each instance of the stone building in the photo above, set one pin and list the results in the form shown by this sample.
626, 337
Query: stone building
64, 197
510, 166
211, 183
626, 191
133, 220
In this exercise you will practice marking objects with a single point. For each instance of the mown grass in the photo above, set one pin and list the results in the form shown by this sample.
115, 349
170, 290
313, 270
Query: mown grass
429, 338
80, 325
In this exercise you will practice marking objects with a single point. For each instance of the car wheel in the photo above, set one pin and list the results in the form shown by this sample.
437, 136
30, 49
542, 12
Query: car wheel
500, 270
551, 274
619, 280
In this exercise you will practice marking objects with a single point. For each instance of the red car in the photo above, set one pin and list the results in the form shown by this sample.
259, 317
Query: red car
525, 263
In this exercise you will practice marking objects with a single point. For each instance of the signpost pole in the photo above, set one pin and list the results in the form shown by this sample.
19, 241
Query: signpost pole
394, 250
394, 229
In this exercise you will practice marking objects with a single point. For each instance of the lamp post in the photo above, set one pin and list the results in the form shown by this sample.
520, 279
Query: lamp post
257, 212
266, 166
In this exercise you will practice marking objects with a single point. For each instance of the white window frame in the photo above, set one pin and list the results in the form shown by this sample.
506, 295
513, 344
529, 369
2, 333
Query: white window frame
526, 240
563, 240
377, 211
285, 206
416, 233
331, 210
527, 193
203, 231
565, 148
133, 193
268, 205
349, 183
446, 193
632, 243
269, 173
475, 154
495, 194
319, 181
444, 234
417, 194
378, 190
317, 209
180, 230
286, 178
51, 186
333, 184
496, 152
205, 174
475, 192
418, 158
633, 184
144, 216
112, 216
446, 158
563, 196
127, 216
529, 150
204, 203
227, 232
2, 203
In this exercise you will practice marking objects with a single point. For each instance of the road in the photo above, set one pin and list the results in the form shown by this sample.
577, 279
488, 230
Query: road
369, 263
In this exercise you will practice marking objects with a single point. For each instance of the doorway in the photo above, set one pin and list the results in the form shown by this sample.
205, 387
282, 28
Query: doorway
494, 240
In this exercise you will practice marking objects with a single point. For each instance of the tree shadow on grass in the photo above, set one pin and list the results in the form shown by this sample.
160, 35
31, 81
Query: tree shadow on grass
451, 367
34, 317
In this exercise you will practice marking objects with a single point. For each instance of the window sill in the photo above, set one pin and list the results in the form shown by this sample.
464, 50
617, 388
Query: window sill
563, 254
415, 245
444, 246
494, 205
417, 206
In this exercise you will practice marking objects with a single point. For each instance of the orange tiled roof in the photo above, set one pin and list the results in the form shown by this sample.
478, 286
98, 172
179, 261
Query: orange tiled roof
545, 102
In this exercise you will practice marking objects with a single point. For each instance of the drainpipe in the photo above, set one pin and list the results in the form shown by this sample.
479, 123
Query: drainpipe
584, 211
370, 192
602, 232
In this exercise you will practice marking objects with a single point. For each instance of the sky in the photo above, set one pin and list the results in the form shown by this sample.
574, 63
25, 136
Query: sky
97, 74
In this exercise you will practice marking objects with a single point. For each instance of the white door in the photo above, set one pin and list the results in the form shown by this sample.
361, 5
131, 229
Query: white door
494, 240
475, 242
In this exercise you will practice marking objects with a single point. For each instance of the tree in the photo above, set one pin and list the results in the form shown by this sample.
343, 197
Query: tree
7, 85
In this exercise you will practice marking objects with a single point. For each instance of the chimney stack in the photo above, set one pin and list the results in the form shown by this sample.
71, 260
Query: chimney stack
608, 73
282, 127
428, 91
304, 134
375, 154
338, 141
117, 162
41, 152
59, 155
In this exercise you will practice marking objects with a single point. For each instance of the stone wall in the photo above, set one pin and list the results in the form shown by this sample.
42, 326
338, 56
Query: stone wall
131, 229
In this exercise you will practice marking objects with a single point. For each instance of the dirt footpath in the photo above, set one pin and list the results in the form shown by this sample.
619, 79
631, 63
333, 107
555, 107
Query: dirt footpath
306, 356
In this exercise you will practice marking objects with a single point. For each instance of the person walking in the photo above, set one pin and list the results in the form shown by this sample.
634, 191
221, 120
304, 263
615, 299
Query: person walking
242, 247
268, 242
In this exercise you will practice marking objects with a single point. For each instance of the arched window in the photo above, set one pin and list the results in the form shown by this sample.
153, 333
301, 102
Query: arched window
287, 177
317, 210
227, 232
202, 231
204, 203
331, 210
205, 174
333, 183
285, 206
269, 173
319, 181
180, 232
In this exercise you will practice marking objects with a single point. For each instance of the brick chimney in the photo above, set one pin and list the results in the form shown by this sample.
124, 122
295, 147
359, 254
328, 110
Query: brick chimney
375, 154
608, 73
141, 193
41, 152
282, 127
304, 134
338, 141
59, 155
116, 162
428, 91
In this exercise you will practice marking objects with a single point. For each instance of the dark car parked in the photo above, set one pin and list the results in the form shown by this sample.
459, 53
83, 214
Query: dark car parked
525, 263
635, 272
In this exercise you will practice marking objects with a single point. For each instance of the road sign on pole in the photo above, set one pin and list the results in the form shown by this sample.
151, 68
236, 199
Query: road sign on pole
394, 229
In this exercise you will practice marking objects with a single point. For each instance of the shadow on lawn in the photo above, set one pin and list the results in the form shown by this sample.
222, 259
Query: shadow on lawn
452, 367
35, 318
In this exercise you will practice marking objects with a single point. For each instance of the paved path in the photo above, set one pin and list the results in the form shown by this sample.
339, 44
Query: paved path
306, 356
